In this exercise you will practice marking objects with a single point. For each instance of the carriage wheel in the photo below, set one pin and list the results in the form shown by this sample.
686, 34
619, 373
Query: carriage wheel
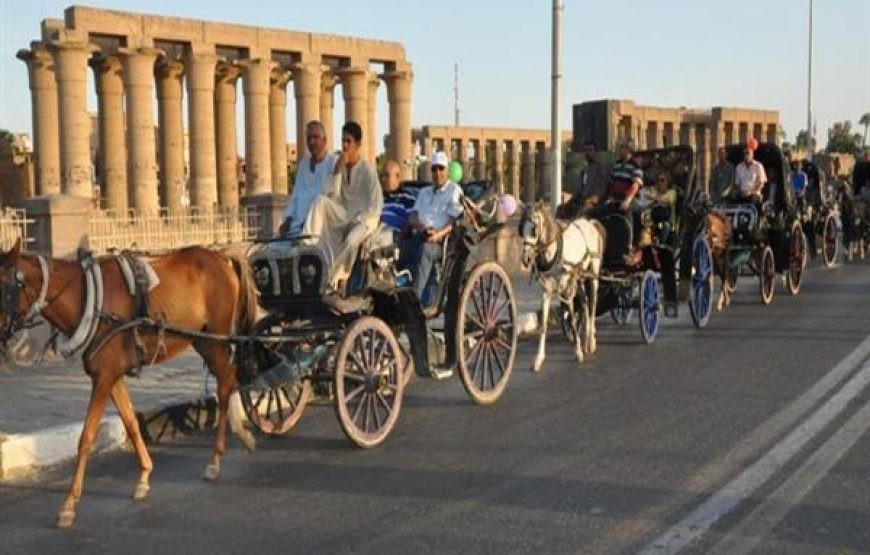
368, 382
797, 259
701, 290
273, 408
486, 333
766, 275
831, 241
649, 310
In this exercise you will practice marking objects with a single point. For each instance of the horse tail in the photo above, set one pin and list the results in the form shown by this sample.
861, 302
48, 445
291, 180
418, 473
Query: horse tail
246, 303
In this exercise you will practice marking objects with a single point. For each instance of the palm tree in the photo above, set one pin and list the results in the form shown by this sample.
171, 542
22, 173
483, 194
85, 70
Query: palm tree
865, 121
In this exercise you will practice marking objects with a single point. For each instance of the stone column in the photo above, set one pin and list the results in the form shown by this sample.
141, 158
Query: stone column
71, 72
371, 114
141, 146
200, 68
462, 157
399, 97
541, 173
480, 160
705, 154
258, 167
527, 171
226, 80
327, 105
307, 83
354, 84
43, 99
514, 169
278, 128
498, 166
718, 135
108, 75
642, 135
170, 118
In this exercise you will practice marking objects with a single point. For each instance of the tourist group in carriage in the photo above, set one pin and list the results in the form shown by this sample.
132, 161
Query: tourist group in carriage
371, 281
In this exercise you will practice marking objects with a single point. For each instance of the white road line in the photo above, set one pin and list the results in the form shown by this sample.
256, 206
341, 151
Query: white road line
694, 526
752, 446
759, 523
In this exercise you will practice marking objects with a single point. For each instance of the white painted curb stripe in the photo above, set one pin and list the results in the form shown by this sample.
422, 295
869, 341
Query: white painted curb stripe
20, 453
696, 524
754, 528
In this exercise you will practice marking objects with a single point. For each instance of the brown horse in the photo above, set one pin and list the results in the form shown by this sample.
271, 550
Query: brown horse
199, 290
719, 237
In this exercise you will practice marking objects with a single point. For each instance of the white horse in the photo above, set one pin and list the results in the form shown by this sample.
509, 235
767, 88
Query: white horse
565, 258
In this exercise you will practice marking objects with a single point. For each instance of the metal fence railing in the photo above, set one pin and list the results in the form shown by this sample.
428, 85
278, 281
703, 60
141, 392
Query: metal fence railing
166, 230
13, 225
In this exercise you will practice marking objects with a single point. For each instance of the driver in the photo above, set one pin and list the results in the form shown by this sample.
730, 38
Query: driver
349, 209
749, 178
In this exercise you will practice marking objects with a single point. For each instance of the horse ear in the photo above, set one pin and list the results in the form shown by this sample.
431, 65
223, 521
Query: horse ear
11, 257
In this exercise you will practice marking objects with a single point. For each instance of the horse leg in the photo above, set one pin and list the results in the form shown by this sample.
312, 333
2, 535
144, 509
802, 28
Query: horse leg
578, 340
542, 330
591, 309
218, 360
100, 389
121, 398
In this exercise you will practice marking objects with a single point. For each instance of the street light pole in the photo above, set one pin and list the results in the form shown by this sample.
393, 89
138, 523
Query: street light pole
810, 133
555, 114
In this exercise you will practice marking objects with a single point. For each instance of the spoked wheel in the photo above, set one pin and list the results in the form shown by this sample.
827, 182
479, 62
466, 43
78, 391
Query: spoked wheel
701, 290
624, 311
830, 241
649, 310
272, 403
766, 275
486, 333
797, 259
368, 382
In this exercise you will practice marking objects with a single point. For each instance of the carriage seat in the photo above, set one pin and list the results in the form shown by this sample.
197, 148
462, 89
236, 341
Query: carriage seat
619, 240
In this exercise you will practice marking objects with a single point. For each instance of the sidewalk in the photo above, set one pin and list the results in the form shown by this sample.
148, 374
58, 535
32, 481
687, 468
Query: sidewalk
42, 408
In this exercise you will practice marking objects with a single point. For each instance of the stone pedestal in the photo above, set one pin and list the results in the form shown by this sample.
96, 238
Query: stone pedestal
61, 223
270, 208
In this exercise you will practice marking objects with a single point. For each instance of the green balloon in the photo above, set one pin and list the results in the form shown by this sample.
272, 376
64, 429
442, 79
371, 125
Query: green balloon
454, 171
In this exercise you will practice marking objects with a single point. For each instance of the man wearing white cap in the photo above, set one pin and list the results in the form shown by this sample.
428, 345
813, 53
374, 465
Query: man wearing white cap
432, 220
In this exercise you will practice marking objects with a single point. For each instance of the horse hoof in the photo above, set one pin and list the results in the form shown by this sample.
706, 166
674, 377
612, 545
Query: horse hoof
248, 440
141, 492
66, 518
580, 358
536, 367
211, 472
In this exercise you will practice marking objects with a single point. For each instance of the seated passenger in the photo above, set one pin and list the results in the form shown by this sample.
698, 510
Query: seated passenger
626, 179
397, 203
663, 205
348, 211
749, 179
312, 175
431, 221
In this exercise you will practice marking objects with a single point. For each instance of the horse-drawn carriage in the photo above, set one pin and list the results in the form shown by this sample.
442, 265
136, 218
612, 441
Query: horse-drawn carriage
669, 241
819, 215
766, 239
855, 203
359, 350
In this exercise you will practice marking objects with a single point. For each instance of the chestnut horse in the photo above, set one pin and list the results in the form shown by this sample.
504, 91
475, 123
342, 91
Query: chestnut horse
199, 289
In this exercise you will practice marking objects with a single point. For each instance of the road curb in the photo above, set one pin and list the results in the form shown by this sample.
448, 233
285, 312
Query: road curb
24, 454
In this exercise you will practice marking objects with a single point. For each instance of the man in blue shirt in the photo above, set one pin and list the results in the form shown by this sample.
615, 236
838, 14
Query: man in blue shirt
799, 179
397, 203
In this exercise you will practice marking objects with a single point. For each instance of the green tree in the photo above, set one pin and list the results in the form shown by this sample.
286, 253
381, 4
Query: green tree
842, 139
801, 142
6, 137
865, 121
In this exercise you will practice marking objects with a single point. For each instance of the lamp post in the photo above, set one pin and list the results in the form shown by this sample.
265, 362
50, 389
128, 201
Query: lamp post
810, 130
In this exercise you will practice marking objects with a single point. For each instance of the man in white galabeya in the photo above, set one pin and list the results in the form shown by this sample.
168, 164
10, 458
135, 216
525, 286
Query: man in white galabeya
749, 177
314, 172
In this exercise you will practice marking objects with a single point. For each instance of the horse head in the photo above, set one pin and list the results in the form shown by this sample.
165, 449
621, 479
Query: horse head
11, 286
534, 230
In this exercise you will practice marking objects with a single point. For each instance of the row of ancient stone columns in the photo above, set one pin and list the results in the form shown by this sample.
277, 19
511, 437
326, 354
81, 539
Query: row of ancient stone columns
518, 167
125, 83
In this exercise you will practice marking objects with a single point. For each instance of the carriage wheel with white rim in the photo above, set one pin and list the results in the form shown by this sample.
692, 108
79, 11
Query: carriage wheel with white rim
701, 288
766, 275
649, 309
830, 241
486, 332
368, 382
797, 259
273, 408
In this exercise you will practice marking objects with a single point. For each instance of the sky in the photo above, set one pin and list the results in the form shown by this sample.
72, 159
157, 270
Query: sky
693, 53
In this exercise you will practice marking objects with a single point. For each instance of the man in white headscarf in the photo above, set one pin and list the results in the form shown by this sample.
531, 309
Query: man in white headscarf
348, 211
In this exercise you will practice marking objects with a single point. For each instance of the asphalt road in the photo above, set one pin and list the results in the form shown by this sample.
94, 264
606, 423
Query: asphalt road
749, 427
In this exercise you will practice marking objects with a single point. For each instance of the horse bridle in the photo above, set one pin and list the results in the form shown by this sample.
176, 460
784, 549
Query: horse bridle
10, 299
540, 248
